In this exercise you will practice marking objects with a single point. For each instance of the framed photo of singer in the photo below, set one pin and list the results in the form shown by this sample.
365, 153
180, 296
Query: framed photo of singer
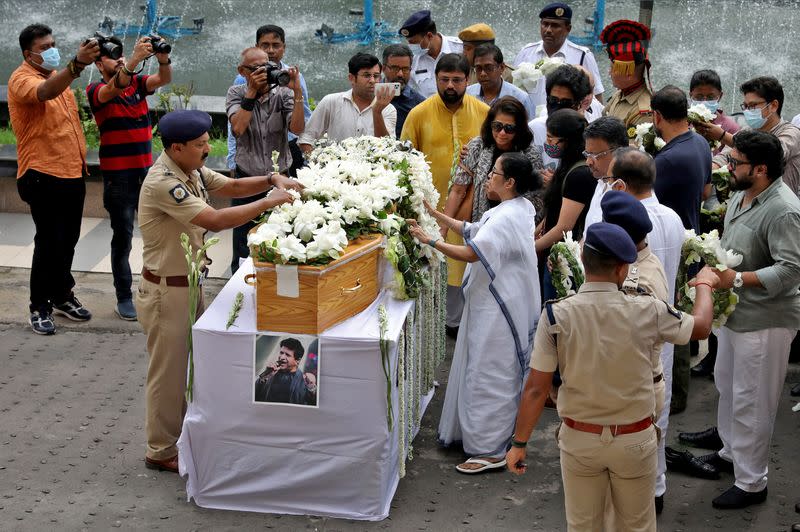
286, 370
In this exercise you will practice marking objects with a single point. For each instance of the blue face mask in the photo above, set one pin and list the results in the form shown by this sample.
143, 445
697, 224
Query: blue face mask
50, 58
711, 105
753, 118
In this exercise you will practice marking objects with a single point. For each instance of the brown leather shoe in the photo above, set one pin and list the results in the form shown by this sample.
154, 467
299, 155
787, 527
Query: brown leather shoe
170, 464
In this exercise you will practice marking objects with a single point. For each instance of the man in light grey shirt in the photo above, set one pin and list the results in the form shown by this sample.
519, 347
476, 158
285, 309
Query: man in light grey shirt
260, 115
762, 224
360, 111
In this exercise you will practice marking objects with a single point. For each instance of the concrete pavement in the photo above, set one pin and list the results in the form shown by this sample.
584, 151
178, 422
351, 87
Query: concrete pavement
72, 443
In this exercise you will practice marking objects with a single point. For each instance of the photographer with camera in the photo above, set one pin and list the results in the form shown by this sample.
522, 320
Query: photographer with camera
261, 113
51, 161
120, 109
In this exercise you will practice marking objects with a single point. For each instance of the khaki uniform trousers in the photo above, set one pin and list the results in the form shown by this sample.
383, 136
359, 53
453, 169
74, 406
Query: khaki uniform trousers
596, 466
163, 312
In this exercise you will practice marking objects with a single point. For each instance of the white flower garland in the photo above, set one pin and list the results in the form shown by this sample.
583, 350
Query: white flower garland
527, 75
565, 261
645, 138
707, 248
699, 114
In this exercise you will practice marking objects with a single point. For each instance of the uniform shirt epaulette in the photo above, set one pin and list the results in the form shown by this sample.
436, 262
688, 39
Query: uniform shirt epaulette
556, 300
672, 310
636, 291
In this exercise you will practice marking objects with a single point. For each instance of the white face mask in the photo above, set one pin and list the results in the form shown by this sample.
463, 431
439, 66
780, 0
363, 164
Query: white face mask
416, 49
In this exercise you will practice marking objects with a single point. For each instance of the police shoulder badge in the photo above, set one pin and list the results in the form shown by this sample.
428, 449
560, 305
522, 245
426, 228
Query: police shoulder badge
179, 193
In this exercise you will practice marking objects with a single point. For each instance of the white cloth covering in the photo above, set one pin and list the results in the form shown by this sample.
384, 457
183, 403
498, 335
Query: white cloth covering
338, 460
501, 309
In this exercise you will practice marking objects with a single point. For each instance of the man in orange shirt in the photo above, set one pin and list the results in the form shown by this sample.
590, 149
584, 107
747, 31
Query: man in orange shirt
51, 161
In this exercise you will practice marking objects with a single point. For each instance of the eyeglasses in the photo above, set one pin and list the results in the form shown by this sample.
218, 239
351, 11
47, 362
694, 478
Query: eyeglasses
367, 76
254, 67
733, 162
595, 156
454, 81
499, 126
552, 101
495, 172
392, 68
753, 106
486, 68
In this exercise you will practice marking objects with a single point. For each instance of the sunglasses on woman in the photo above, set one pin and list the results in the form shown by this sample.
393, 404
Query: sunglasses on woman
508, 128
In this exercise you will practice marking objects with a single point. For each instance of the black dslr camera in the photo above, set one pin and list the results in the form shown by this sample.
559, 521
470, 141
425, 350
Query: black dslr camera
160, 46
108, 47
276, 75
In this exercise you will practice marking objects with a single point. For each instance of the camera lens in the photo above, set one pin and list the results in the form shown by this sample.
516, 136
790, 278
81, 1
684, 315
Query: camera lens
278, 77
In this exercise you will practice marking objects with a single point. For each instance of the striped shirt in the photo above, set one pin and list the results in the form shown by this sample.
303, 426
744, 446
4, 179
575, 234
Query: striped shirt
125, 130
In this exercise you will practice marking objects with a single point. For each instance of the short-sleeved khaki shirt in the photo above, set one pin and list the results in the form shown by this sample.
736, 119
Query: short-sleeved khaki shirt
633, 109
169, 200
603, 342
648, 274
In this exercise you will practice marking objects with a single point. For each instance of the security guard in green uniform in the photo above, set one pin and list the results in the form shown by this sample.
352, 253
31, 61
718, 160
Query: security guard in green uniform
626, 42
174, 200
602, 340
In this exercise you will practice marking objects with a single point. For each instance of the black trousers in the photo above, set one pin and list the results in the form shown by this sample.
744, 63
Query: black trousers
56, 206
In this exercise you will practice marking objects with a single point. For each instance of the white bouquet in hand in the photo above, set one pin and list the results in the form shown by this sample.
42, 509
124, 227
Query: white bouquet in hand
707, 247
699, 114
645, 137
564, 259
527, 75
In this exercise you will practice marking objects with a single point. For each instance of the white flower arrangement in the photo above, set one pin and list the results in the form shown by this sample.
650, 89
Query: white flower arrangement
645, 137
357, 186
707, 248
527, 75
566, 266
699, 114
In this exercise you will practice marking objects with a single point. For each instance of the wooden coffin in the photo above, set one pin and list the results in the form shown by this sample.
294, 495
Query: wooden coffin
327, 294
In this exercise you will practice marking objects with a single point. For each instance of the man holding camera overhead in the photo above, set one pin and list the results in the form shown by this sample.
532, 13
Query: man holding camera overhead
51, 163
120, 110
260, 112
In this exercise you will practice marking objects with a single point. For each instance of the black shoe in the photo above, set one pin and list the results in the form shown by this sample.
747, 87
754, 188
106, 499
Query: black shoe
717, 462
795, 390
796, 527
735, 499
42, 322
686, 462
705, 368
72, 309
452, 332
659, 504
797, 507
705, 439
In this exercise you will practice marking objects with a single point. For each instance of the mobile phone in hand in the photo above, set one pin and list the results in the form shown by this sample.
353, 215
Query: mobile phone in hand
395, 86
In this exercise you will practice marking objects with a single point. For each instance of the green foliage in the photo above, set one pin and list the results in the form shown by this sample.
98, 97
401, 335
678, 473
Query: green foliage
183, 93
89, 126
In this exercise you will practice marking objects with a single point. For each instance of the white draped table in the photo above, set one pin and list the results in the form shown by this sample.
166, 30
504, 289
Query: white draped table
338, 460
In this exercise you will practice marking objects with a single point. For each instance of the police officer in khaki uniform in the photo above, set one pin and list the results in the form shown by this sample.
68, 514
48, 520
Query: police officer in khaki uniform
603, 340
174, 200
626, 42
474, 36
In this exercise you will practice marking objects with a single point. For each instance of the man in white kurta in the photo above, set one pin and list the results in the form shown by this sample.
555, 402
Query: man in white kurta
501, 309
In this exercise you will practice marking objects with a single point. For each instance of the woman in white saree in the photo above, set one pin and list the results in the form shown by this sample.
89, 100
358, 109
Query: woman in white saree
501, 308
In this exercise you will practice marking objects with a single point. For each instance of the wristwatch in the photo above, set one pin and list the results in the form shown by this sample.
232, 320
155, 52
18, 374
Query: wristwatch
738, 282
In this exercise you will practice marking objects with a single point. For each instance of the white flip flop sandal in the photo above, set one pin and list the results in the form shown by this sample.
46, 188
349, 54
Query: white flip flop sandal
485, 466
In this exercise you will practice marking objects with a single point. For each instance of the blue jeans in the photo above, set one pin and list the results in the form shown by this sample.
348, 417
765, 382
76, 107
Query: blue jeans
121, 200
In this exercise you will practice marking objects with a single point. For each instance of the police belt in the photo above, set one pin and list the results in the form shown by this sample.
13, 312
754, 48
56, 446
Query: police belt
174, 280
616, 430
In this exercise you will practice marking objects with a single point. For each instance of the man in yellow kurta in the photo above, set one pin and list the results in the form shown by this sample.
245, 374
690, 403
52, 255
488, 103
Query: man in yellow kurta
439, 127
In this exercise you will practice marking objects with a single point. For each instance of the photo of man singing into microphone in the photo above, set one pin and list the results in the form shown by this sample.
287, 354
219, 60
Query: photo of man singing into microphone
286, 371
